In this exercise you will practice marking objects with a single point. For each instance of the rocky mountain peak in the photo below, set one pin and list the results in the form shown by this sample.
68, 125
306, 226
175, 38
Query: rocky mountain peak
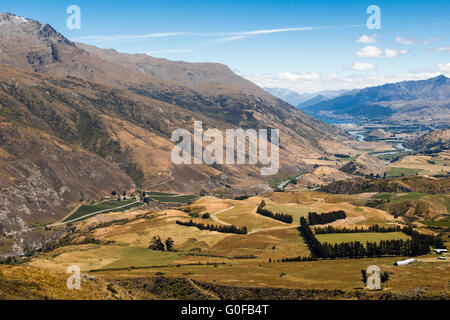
11, 18
13, 25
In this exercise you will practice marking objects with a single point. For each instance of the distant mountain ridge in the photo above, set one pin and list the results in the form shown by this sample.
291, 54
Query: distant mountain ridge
421, 101
291, 97
301, 100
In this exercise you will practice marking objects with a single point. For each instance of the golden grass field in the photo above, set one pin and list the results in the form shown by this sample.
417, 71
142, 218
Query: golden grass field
242, 260
420, 162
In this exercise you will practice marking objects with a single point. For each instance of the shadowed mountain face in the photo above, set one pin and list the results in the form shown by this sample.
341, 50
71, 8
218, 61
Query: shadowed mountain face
421, 101
77, 122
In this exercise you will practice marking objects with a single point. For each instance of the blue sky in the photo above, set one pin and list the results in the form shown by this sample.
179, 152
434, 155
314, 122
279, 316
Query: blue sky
306, 46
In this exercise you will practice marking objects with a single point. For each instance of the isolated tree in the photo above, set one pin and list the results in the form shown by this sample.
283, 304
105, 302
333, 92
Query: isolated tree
385, 277
113, 193
169, 244
156, 244
206, 215
364, 277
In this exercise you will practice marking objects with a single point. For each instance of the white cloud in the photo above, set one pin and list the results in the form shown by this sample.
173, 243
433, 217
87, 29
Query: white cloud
442, 49
333, 76
233, 38
227, 36
125, 37
345, 79
302, 75
276, 30
403, 51
390, 53
363, 66
444, 68
369, 52
404, 41
368, 39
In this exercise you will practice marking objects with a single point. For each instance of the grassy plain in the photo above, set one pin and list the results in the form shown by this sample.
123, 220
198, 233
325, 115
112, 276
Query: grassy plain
243, 260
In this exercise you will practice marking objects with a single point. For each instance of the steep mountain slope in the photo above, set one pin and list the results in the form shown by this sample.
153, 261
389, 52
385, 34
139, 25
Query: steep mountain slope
189, 74
76, 126
315, 100
433, 141
41, 179
226, 97
422, 101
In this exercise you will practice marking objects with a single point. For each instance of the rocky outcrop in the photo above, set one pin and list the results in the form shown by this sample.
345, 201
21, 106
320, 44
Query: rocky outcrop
41, 178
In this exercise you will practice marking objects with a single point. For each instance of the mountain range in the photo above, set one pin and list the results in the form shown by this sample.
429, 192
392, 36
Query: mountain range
424, 101
301, 100
78, 122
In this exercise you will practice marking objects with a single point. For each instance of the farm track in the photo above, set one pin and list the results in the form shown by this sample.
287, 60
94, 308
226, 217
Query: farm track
204, 291
171, 178
271, 229
215, 219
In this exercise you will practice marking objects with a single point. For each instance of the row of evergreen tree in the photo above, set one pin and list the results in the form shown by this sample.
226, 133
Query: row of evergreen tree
211, 227
298, 259
373, 228
287, 218
434, 241
324, 218
356, 249
418, 245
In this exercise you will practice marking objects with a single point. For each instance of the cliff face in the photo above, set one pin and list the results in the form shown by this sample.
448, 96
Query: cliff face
40, 180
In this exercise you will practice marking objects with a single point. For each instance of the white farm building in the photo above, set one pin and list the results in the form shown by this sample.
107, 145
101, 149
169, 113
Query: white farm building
404, 262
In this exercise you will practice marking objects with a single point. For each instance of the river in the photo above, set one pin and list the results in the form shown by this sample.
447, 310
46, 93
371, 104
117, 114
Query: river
399, 146
359, 134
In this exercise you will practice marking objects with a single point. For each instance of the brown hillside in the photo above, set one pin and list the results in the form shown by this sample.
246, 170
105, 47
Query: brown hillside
363, 165
433, 141
121, 119
322, 176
